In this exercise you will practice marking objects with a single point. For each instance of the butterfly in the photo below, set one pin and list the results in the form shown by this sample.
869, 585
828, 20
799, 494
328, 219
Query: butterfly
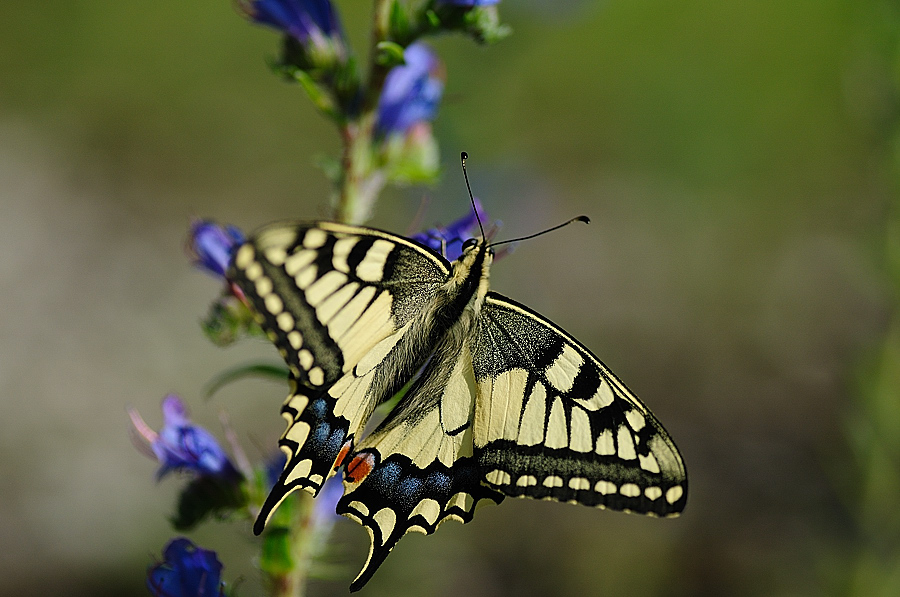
495, 399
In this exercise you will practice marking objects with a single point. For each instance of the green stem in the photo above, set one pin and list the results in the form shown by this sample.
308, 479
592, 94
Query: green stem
361, 179
291, 581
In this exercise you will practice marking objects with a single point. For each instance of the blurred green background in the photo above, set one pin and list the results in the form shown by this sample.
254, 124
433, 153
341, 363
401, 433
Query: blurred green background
737, 160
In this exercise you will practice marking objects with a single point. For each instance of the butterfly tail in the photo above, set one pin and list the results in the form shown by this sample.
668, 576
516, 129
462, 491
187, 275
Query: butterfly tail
315, 442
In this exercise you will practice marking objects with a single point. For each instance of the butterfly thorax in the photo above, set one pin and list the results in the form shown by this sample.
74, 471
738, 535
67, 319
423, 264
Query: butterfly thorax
440, 334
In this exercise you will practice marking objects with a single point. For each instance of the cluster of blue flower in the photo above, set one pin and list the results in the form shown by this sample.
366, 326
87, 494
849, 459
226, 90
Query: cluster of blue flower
407, 101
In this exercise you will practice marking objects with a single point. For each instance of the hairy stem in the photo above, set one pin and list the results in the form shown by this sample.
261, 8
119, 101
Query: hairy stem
361, 179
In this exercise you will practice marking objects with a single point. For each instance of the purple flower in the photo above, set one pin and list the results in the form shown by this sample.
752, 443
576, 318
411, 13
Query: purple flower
181, 445
211, 246
412, 91
186, 571
307, 21
450, 238
468, 2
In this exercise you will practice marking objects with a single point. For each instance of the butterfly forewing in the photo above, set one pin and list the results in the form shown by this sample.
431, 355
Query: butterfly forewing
333, 299
553, 422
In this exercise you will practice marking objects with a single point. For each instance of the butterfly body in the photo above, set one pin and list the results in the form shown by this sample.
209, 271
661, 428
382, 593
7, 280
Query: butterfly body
500, 402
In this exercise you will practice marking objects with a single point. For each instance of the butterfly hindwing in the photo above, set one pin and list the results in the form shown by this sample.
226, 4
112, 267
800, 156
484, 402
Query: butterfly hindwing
553, 422
333, 299
417, 469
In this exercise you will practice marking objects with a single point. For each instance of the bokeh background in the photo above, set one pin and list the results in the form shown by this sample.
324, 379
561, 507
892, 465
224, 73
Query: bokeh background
737, 160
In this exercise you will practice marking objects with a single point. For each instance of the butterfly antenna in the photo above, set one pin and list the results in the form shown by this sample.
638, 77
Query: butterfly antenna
584, 219
463, 157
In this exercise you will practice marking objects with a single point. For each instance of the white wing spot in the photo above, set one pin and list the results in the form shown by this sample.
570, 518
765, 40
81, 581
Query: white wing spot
526, 481
461, 500
553, 481
562, 373
316, 376
605, 444
314, 238
299, 472
285, 321
296, 262
305, 357
498, 477
635, 419
263, 286
298, 402
276, 255
602, 397
254, 271
371, 268
296, 339
630, 490
625, 443
579, 483
649, 463
674, 494
306, 277
605, 487
324, 286
531, 431
580, 438
557, 435
244, 257
386, 519
429, 509
297, 432
274, 304
342, 249
653, 493
359, 507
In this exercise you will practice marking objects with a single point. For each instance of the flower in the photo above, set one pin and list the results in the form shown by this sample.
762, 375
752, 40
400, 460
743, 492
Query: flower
323, 513
449, 239
211, 246
181, 445
412, 91
306, 21
186, 571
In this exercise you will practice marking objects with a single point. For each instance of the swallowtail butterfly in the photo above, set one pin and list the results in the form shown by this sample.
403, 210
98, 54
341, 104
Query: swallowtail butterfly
500, 401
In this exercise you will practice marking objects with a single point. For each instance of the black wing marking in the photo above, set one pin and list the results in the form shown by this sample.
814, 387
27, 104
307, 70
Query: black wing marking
553, 422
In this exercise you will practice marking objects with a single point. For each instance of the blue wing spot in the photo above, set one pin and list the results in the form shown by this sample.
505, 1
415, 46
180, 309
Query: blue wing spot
318, 408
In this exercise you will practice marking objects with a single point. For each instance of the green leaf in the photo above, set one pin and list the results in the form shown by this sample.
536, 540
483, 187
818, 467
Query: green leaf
390, 54
276, 372
320, 95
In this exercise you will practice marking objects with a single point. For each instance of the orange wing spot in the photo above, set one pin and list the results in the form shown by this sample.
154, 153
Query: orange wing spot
360, 467
345, 449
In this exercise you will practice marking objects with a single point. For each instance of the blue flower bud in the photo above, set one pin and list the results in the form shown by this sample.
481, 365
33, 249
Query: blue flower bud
468, 2
186, 571
211, 246
311, 22
450, 238
411, 92
181, 445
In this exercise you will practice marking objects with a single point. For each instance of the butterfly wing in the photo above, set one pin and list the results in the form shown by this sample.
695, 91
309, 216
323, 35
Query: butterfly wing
417, 469
333, 299
553, 422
